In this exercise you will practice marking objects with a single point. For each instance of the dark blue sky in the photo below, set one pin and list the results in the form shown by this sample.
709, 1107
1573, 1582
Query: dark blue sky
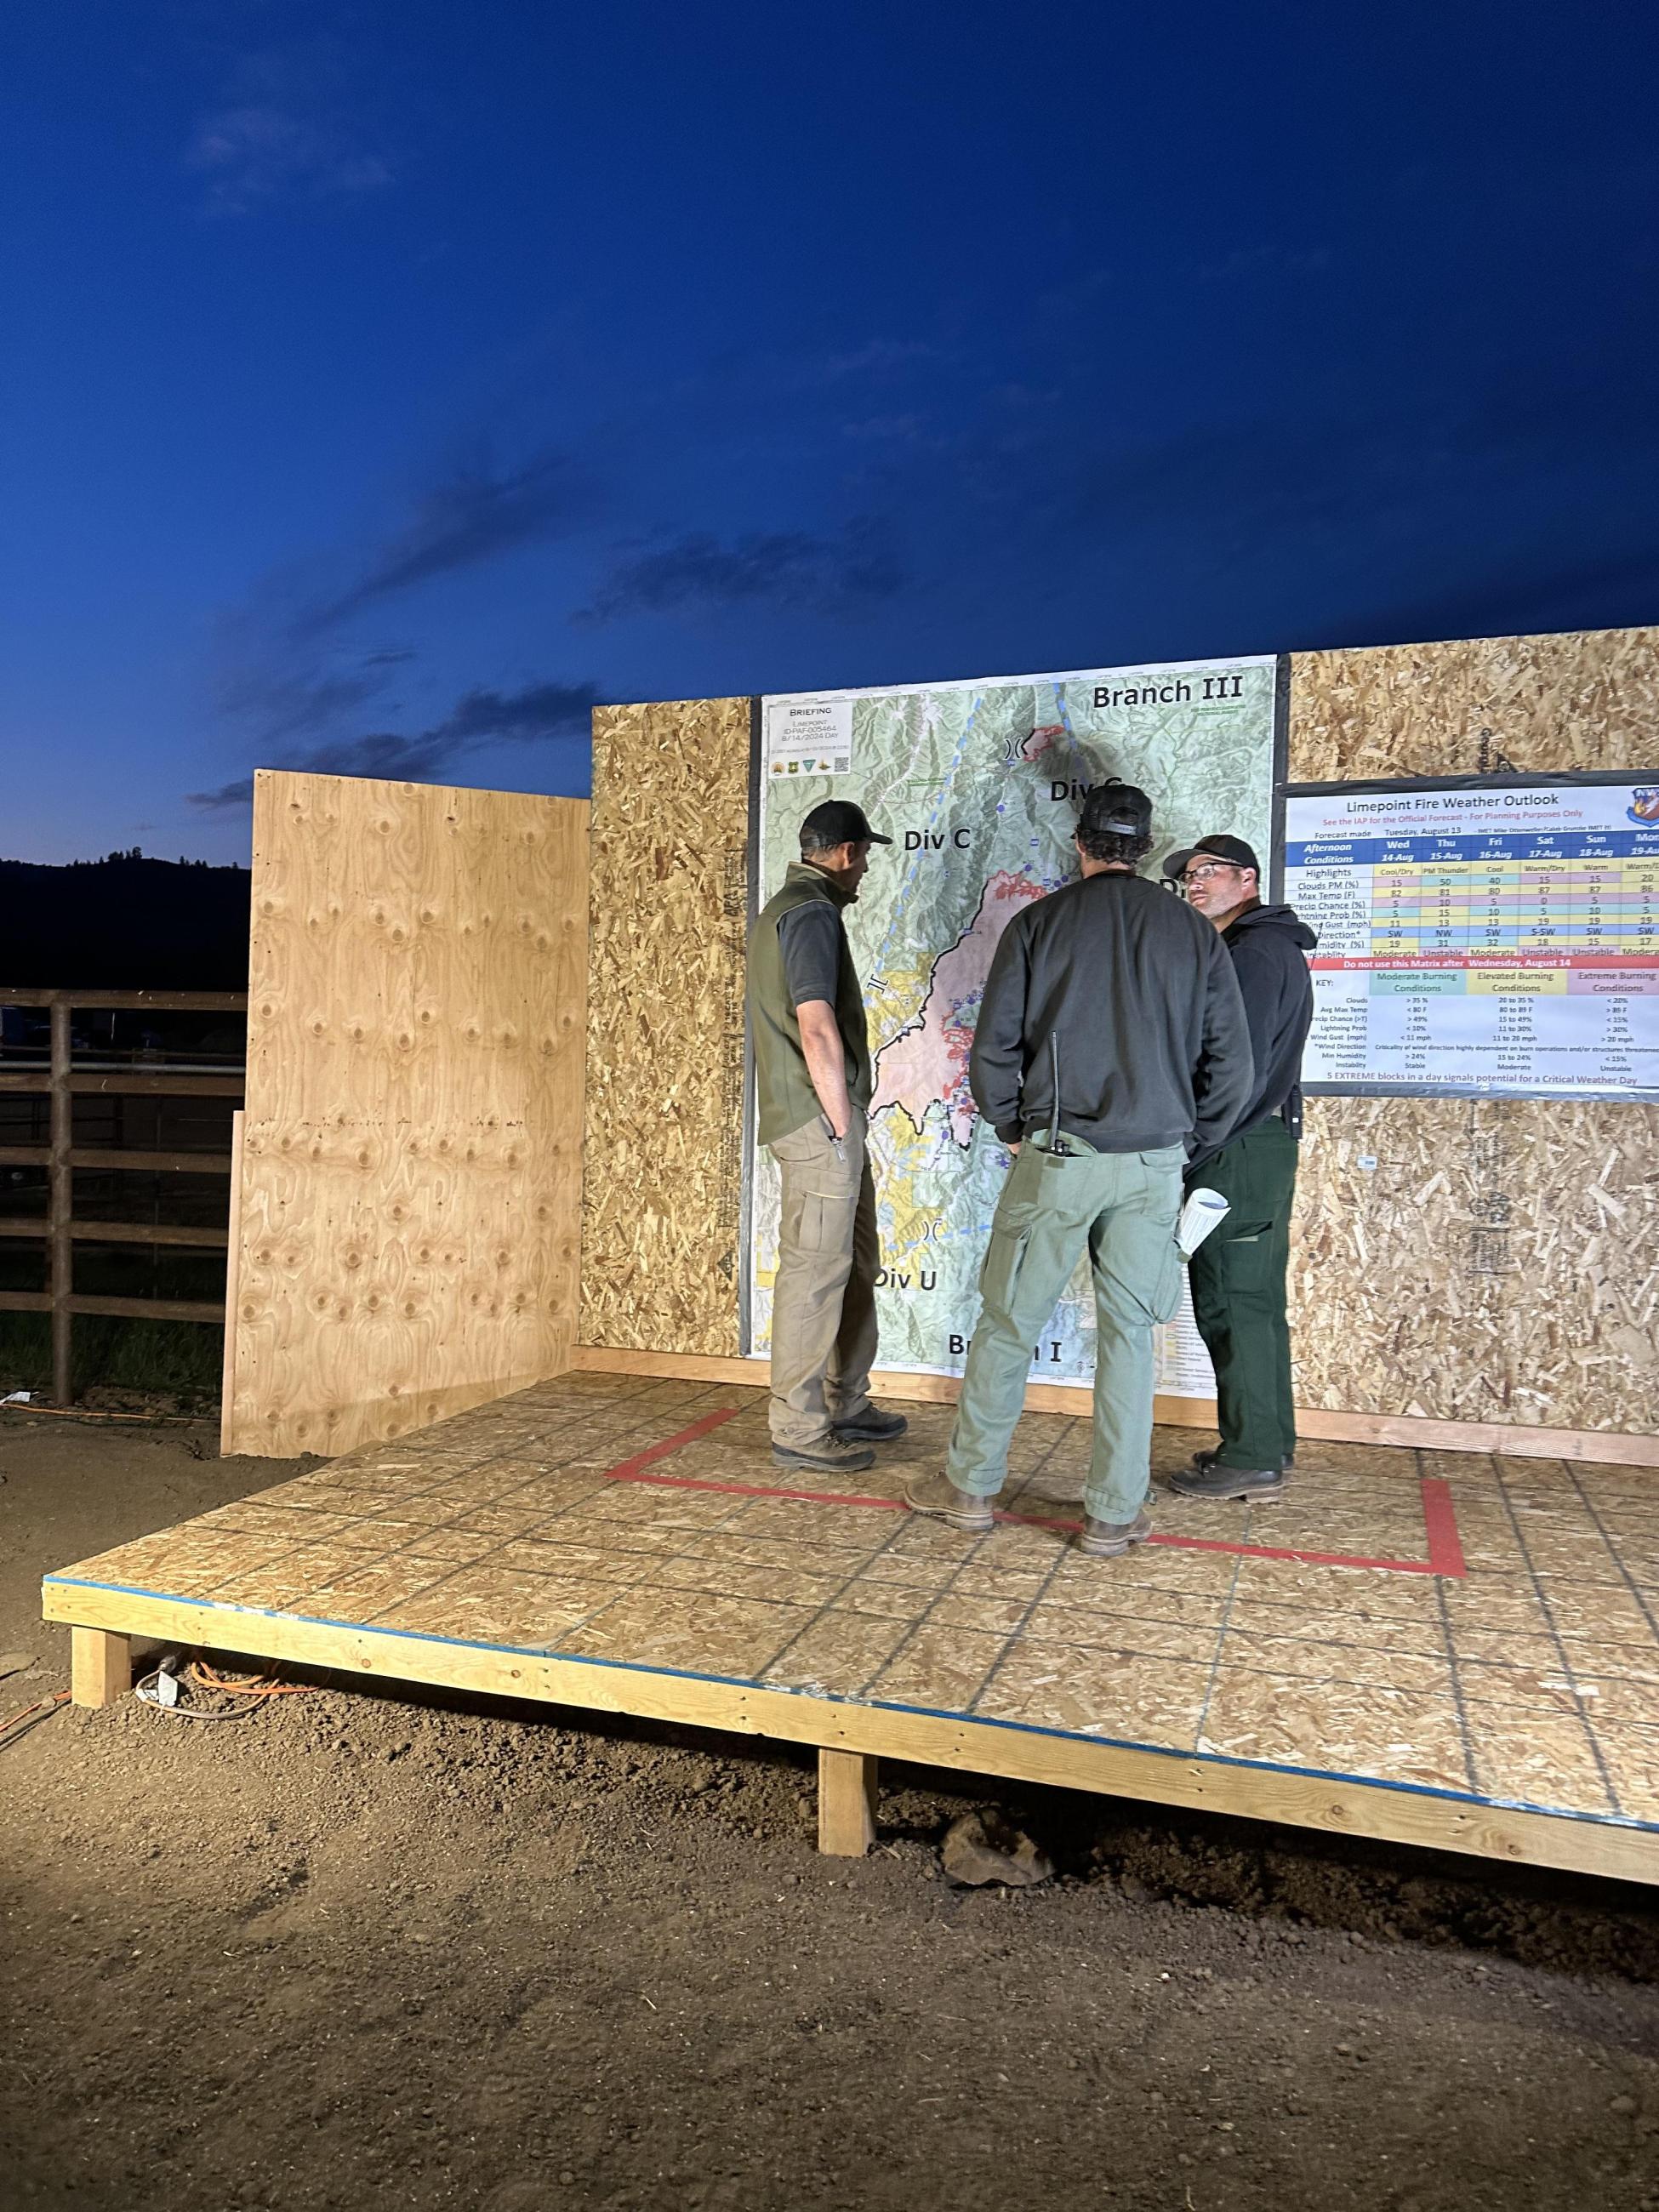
383, 383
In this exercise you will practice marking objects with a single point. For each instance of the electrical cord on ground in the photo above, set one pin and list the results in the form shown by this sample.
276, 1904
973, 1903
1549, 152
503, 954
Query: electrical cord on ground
180, 1687
35, 1412
17, 1725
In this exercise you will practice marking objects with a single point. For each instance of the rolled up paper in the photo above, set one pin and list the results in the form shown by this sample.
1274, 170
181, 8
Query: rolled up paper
1201, 1213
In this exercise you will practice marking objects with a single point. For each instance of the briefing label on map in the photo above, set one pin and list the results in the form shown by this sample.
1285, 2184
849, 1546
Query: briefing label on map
979, 785
808, 737
1502, 939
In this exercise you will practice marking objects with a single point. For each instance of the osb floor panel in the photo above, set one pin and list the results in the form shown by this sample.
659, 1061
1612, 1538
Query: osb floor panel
1475, 1625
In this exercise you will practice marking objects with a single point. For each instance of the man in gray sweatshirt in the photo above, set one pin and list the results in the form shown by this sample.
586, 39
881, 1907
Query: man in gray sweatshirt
1110, 1034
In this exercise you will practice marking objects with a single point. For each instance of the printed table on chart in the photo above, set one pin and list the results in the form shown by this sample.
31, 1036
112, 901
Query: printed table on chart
1515, 958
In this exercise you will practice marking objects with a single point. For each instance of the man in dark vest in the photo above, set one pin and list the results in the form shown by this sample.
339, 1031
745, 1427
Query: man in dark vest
1237, 1274
813, 1078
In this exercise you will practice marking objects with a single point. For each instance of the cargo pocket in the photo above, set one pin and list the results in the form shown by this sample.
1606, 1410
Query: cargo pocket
999, 1278
1246, 1255
815, 1211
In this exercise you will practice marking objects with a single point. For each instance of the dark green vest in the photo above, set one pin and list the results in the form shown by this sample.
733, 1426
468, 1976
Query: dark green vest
788, 1100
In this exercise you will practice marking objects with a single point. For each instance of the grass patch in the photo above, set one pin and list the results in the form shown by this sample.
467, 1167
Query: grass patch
181, 1358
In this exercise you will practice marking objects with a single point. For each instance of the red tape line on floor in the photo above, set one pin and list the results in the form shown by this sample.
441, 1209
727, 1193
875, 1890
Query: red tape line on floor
1445, 1551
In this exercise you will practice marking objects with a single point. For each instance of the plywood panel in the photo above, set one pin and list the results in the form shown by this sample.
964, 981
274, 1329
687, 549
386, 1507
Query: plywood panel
1581, 699
662, 1211
1499, 1259
1477, 1259
408, 1237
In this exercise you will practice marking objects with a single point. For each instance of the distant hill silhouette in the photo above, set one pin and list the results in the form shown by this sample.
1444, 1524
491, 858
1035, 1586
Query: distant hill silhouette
125, 923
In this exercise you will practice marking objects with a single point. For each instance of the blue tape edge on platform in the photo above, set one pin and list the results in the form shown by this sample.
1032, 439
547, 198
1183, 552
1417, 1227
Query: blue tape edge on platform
876, 1704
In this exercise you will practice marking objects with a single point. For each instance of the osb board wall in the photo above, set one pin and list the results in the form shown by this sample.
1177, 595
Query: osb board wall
1462, 1260
408, 1227
1487, 1260
663, 1197
1581, 699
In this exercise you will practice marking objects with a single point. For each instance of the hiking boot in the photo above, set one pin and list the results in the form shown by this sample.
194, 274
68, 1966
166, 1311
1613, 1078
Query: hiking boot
828, 1454
1242, 1484
1110, 1540
874, 1425
937, 1496
1204, 1461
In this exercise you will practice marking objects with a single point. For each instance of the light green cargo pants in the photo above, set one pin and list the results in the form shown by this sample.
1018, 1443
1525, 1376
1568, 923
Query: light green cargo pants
1122, 1206
823, 1296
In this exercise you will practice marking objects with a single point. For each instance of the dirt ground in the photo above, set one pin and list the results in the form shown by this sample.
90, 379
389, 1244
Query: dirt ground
361, 1950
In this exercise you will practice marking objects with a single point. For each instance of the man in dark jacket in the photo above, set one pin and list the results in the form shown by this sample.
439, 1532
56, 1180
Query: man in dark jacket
1110, 1034
1237, 1274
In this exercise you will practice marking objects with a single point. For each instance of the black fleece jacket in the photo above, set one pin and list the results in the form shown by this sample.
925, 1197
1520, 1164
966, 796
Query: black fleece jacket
1132, 993
1268, 944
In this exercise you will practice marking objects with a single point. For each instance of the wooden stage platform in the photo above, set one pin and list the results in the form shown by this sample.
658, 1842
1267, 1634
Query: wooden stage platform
1450, 1650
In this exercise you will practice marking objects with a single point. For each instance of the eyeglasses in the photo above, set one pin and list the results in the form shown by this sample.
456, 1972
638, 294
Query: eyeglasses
1215, 868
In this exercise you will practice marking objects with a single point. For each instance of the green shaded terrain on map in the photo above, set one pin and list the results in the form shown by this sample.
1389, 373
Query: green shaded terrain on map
979, 785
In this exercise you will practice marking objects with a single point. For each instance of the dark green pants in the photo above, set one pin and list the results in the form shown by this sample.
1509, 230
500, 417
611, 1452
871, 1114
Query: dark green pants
1238, 1280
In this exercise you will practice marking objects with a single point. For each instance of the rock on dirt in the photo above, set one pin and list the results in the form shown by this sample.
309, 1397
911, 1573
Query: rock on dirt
985, 1846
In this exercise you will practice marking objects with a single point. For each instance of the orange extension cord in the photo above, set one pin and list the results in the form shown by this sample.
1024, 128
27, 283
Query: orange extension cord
41, 1705
256, 1687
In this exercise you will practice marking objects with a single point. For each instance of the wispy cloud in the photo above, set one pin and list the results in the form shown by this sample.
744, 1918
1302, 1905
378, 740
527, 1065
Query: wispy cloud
878, 357
471, 515
289, 129
251, 157
794, 569
537, 712
285, 699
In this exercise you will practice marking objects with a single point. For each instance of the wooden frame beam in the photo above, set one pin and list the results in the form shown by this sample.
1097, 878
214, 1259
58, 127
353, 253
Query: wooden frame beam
1345, 1805
192, 1002
149, 1309
121, 1082
122, 1232
140, 1163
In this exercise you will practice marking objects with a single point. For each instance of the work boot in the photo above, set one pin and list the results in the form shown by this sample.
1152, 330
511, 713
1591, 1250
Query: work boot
937, 1496
828, 1454
1242, 1484
874, 1425
1110, 1540
1204, 1461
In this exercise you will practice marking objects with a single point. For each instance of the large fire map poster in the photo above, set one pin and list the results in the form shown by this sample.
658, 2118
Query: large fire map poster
979, 784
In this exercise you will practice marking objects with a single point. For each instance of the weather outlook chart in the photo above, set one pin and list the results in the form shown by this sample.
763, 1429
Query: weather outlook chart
979, 784
1505, 939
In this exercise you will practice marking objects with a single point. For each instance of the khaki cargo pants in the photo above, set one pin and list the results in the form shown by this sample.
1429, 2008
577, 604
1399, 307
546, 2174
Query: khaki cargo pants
823, 1297
1122, 1206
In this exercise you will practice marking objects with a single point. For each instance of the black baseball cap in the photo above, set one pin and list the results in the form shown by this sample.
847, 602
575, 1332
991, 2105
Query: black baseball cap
838, 822
1122, 809
1222, 847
